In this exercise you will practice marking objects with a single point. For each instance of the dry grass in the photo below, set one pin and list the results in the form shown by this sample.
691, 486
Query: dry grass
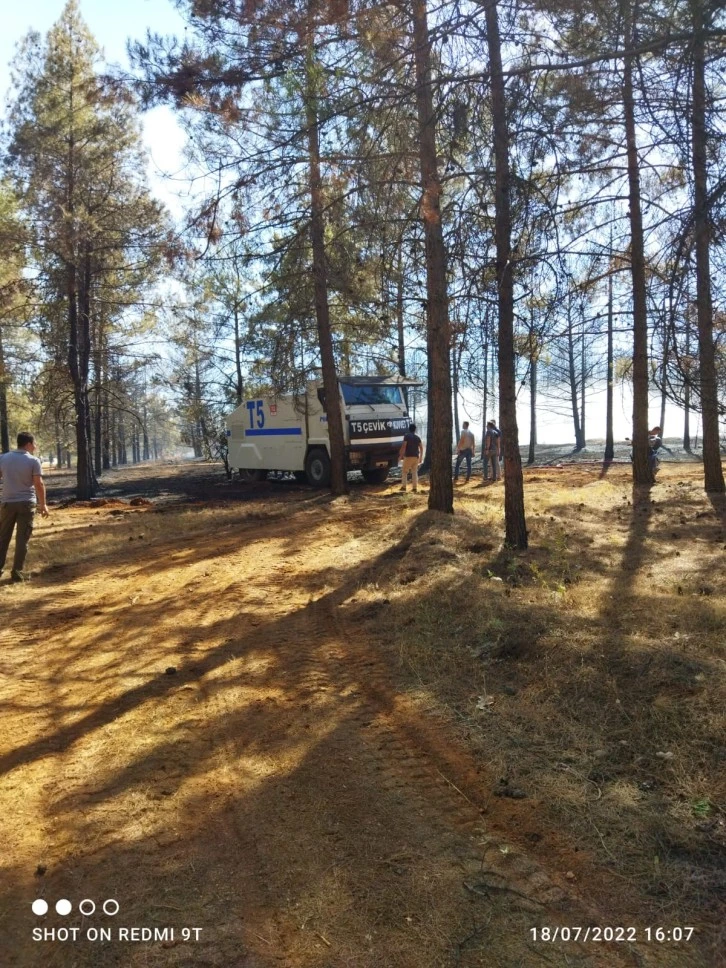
589, 671
293, 785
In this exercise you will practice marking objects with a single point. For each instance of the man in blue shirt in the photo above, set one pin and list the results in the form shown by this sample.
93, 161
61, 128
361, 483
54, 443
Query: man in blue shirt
23, 491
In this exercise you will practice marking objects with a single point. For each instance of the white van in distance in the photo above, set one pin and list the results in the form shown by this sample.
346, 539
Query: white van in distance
290, 433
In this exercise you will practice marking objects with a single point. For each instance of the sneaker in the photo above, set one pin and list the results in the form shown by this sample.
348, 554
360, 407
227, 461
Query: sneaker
17, 576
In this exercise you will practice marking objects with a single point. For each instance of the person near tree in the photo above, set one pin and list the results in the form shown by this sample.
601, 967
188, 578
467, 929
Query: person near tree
491, 449
23, 492
411, 455
655, 442
464, 450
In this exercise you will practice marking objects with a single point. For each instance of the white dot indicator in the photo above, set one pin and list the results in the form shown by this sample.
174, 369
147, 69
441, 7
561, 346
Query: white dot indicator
110, 904
40, 906
87, 906
64, 907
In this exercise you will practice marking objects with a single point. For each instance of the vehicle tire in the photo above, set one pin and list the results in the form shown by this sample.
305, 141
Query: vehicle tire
375, 475
251, 477
317, 468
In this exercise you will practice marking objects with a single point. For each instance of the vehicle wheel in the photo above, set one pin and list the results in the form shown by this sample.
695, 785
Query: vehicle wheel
300, 476
317, 468
251, 477
375, 475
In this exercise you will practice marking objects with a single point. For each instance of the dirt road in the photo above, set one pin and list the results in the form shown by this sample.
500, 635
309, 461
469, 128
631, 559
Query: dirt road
204, 721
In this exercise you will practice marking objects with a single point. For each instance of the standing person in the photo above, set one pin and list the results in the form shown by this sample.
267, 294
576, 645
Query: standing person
491, 449
655, 442
411, 454
464, 450
22, 491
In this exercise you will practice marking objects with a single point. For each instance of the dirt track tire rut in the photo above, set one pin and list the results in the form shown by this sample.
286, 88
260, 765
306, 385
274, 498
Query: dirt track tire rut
283, 788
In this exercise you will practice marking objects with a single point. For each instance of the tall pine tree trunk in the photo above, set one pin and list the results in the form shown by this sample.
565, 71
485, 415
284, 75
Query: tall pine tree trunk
76, 356
438, 329
338, 476
532, 408
708, 391
583, 434
455, 389
4, 427
609, 437
239, 383
642, 473
98, 402
485, 395
573, 377
687, 388
400, 318
514, 518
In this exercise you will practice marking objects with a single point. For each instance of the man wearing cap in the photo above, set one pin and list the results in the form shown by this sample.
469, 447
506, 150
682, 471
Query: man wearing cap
491, 449
411, 456
23, 491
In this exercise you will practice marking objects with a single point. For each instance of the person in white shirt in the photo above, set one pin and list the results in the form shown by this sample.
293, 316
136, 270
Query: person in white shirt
23, 491
464, 450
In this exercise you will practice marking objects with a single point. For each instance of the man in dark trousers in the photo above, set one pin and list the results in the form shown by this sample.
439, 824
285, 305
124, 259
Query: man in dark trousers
465, 450
411, 454
23, 491
491, 449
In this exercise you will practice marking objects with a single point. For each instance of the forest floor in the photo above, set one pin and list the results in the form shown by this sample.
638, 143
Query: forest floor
352, 732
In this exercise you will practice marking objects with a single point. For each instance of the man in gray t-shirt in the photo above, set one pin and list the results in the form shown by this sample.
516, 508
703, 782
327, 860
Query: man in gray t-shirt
23, 491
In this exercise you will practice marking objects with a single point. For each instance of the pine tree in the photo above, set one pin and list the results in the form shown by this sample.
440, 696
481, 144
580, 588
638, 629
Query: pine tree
97, 236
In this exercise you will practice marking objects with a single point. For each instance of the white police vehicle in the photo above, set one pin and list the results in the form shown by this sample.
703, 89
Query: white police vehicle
290, 433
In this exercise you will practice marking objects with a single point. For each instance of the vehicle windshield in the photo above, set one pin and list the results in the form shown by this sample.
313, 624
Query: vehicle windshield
375, 393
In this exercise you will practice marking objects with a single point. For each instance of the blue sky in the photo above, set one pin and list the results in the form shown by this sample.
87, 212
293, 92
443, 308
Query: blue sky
112, 23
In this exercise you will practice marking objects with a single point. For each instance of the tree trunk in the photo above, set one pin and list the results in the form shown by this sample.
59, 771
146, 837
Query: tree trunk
400, 315
84, 490
687, 389
438, 329
642, 473
98, 415
4, 427
609, 437
121, 438
708, 391
239, 386
237, 357
106, 429
514, 518
573, 378
485, 399
531, 457
583, 434
338, 476
455, 389
426, 466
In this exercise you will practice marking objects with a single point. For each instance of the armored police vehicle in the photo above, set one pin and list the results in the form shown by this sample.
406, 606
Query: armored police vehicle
290, 433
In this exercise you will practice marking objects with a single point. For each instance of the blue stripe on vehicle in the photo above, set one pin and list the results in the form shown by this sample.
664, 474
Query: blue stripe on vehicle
277, 432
